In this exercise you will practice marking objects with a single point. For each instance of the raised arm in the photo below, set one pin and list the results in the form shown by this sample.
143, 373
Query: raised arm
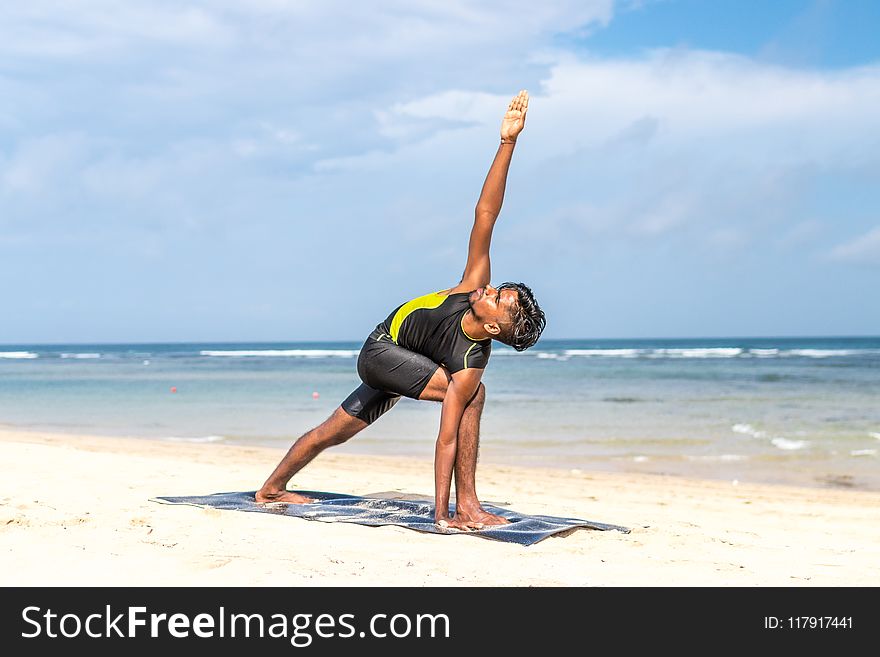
477, 271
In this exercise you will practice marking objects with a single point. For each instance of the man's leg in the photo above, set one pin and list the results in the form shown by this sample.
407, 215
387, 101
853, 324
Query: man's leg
466, 501
335, 430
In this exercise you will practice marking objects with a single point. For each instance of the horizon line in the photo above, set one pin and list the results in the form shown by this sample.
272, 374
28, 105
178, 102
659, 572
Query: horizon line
604, 339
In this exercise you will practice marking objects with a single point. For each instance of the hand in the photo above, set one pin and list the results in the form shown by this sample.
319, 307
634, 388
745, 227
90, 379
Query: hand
457, 523
515, 119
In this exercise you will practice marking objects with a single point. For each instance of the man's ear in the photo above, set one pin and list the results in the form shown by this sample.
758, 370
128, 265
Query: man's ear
492, 328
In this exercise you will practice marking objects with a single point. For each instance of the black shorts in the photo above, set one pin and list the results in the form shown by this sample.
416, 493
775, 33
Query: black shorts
388, 371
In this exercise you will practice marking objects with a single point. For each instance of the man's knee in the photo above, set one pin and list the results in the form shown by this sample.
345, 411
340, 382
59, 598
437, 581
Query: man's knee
337, 439
340, 427
367, 404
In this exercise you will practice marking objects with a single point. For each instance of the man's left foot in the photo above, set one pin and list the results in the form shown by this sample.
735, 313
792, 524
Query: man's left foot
476, 513
265, 496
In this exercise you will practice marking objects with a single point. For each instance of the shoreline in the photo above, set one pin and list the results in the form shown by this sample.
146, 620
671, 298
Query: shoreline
759, 471
76, 511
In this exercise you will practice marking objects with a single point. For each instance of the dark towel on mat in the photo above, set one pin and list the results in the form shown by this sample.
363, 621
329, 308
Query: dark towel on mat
413, 514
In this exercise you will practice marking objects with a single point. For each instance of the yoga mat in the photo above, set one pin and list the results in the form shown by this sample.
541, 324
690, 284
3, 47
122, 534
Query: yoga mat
378, 511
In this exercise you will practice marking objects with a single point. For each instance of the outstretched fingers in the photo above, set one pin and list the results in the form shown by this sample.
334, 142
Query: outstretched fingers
520, 104
517, 100
515, 116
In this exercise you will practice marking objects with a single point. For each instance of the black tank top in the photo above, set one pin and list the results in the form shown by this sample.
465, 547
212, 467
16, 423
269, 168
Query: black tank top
431, 325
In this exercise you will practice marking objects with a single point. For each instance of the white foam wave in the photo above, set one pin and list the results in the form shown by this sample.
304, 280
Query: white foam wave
619, 353
863, 452
81, 356
786, 443
822, 353
748, 430
18, 354
284, 353
640, 459
195, 439
874, 435
690, 352
716, 457
551, 356
708, 352
764, 353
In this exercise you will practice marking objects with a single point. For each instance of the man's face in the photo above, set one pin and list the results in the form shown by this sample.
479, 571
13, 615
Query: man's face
491, 306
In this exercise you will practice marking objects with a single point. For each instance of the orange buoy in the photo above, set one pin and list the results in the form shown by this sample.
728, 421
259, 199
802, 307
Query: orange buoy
173, 388
315, 395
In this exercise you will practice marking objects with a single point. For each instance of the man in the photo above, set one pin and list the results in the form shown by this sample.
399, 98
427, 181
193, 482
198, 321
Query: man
434, 348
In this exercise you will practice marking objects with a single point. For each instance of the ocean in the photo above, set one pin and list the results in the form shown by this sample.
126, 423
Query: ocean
802, 411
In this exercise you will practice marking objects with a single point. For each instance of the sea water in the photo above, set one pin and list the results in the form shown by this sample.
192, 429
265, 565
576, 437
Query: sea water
790, 410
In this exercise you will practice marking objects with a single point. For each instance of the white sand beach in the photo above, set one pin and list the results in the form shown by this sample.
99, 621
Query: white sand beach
75, 510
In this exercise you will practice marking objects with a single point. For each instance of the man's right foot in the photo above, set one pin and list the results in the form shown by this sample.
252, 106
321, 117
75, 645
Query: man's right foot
476, 514
283, 496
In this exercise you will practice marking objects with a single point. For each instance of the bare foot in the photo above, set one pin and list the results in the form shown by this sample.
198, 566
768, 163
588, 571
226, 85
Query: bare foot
475, 513
285, 496
458, 523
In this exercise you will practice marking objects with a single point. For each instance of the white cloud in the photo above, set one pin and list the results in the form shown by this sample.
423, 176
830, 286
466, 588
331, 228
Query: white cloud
54, 28
266, 134
689, 96
865, 249
802, 233
658, 145
148, 75
692, 105
37, 161
669, 142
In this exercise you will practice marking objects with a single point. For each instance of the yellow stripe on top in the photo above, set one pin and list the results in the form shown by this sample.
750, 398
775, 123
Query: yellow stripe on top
429, 301
461, 324
468, 353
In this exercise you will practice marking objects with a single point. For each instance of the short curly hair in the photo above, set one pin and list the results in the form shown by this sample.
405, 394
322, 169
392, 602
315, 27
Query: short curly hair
527, 320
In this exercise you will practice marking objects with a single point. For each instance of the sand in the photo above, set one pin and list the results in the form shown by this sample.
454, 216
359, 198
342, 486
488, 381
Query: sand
75, 510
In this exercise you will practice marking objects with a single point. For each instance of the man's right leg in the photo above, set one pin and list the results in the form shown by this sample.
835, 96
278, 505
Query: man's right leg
335, 430
357, 412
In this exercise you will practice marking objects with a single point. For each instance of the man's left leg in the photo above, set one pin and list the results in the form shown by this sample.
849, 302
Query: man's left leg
466, 501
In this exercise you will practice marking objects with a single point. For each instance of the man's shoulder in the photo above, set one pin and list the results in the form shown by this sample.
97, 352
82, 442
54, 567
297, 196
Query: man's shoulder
461, 288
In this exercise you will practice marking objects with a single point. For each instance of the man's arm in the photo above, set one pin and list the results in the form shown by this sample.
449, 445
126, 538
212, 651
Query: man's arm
477, 271
460, 391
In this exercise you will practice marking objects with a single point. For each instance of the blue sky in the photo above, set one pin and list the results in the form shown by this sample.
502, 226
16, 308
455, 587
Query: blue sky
279, 170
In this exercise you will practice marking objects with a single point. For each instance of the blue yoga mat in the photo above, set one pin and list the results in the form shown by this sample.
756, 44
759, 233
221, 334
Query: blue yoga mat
378, 511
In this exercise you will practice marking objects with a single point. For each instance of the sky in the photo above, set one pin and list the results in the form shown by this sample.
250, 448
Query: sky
285, 170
